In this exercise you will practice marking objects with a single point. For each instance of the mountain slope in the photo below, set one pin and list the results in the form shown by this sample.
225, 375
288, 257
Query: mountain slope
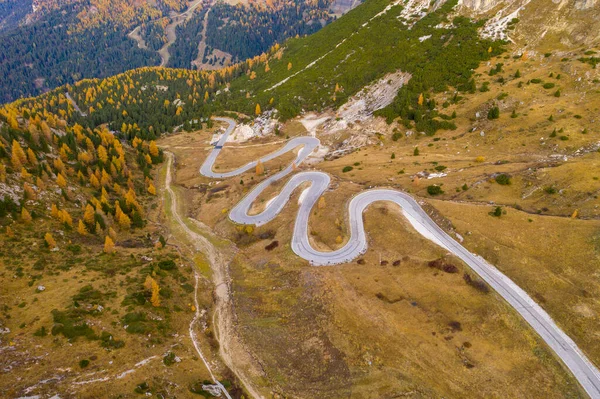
49, 43
496, 140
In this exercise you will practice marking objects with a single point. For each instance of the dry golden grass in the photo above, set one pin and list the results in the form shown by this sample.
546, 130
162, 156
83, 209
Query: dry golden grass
371, 322
50, 364
554, 259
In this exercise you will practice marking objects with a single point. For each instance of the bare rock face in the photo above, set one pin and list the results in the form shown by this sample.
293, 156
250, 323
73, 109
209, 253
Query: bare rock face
480, 5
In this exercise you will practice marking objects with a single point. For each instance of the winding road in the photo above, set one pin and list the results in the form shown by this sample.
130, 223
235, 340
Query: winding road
564, 347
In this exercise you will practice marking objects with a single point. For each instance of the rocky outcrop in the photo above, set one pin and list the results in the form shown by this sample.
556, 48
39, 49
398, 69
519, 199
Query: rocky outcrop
585, 4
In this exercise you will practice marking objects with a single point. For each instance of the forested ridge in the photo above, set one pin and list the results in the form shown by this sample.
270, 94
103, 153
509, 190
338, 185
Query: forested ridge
46, 54
247, 30
74, 40
147, 102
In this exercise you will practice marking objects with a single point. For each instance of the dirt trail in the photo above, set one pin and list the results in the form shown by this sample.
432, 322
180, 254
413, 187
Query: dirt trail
74, 104
202, 44
135, 35
198, 62
170, 29
231, 349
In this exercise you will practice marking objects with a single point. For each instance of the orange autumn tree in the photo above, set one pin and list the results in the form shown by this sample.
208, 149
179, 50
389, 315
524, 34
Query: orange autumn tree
260, 168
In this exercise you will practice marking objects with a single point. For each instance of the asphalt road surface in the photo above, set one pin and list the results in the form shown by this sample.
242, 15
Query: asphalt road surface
583, 370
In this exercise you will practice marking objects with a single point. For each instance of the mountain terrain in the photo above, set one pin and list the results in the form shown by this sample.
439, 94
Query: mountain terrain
51, 43
123, 274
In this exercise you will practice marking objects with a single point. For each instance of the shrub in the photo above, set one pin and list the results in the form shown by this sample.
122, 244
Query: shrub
83, 363
169, 359
107, 341
442, 265
71, 324
272, 246
347, 169
493, 113
497, 212
396, 136
476, 283
434, 190
502, 179
168, 264
136, 323
549, 85
40, 332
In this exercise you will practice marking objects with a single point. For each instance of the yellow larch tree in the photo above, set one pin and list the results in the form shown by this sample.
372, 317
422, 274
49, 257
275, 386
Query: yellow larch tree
89, 215
94, 182
155, 298
40, 183
257, 110
31, 158
65, 218
28, 191
102, 154
151, 285
153, 148
25, 216
109, 245
60, 180
124, 221
17, 154
152, 189
54, 211
81, 229
25, 175
49, 240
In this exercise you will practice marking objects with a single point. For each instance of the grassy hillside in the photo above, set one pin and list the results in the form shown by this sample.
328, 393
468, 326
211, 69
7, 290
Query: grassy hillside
88, 283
